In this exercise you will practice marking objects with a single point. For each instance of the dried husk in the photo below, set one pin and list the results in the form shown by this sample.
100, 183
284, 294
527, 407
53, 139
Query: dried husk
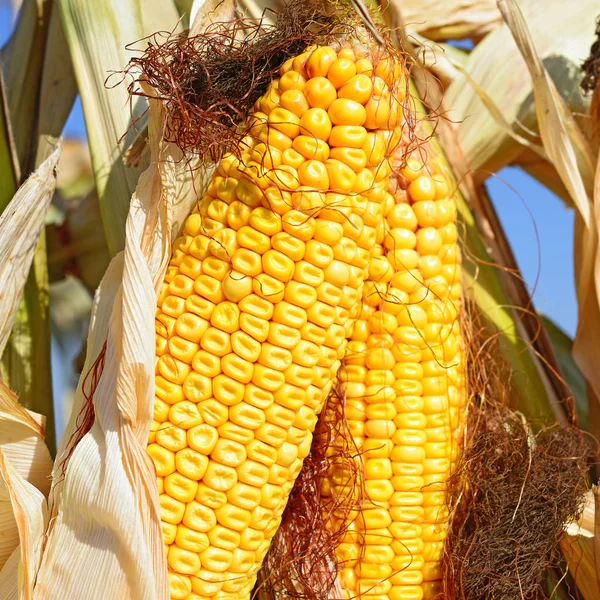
498, 68
25, 463
448, 19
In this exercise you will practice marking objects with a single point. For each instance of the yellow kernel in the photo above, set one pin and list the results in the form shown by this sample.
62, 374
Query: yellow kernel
218, 476
238, 214
191, 463
215, 341
273, 139
244, 496
248, 193
253, 473
179, 586
319, 92
349, 136
299, 225
268, 287
341, 71
429, 241
285, 121
292, 80
265, 221
237, 368
377, 113
171, 437
224, 538
344, 111
202, 438
215, 559
227, 390
206, 582
294, 101
168, 391
233, 517
209, 288
316, 124
288, 245
213, 412
355, 158
215, 267
422, 189
228, 452
253, 239
164, 459
171, 510
293, 158
180, 487
364, 65
313, 173
267, 378
246, 344
311, 147
341, 177
191, 540
226, 316
359, 89
320, 61
261, 452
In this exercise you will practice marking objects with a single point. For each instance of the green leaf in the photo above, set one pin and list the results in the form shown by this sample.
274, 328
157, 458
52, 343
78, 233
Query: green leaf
40, 90
563, 346
98, 34
40, 83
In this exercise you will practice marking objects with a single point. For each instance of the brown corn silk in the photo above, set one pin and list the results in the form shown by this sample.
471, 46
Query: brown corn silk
258, 305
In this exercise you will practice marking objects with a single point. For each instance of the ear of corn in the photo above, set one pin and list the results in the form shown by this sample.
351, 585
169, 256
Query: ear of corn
258, 303
403, 384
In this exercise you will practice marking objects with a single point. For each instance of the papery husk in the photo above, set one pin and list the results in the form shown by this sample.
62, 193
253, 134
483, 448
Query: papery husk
205, 12
104, 492
581, 548
496, 65
24, 461
20, 227
448, 19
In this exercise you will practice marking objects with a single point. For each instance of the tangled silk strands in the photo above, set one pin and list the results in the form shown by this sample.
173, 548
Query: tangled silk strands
210, 82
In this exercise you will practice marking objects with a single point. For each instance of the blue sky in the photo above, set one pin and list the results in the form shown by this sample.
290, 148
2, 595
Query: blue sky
538, 225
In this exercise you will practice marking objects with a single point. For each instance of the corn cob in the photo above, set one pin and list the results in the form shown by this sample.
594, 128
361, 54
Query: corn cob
258, 302
403, 384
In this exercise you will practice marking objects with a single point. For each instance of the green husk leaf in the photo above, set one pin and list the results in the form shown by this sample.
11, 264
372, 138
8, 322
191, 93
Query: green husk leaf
563, 346
98, 34
20, 225
39, 81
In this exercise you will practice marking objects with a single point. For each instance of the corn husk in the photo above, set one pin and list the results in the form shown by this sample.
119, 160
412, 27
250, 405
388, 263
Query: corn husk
25, 462
574, 162
448, 19
40, 90
581, 547
98, 35
39, 81
498, 68
205, 12
20, 227
87, 508
22, 451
